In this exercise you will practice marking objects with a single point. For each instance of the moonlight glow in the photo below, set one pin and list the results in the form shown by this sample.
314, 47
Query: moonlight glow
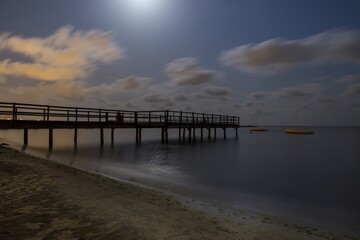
145, 5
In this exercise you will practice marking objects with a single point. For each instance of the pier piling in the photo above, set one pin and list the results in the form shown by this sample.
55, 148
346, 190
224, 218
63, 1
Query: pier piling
26, 136
51, 138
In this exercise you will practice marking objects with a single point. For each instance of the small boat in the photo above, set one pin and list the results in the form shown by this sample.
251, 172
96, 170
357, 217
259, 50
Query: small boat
298, 131
258, 129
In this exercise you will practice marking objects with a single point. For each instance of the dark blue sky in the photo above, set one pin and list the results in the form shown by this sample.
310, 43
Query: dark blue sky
253, 58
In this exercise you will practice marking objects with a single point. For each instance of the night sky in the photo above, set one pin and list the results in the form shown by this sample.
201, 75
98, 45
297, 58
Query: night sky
265, 61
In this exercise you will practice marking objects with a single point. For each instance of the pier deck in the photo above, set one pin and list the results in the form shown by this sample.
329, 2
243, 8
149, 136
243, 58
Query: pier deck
35, 116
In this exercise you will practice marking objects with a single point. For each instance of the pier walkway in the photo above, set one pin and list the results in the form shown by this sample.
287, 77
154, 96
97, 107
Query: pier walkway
35, 116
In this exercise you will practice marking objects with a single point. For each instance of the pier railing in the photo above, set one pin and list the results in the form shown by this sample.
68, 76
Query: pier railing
37, 112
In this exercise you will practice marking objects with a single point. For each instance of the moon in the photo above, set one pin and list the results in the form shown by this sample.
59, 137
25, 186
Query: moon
145, 4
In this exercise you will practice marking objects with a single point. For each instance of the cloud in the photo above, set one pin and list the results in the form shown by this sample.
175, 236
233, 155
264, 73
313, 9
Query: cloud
181, 98
213, 93
327, 100
188, 71
348, 79
127, 84
299, 90
67, 54
77, 90
352, 90
258, 95
248, 104
154, 98
216, 91
276, 55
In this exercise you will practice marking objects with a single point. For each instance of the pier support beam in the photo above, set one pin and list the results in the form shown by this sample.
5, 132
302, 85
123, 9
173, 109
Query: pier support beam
101, 136
138, 135
51, 138
112, 136
184, 135
179, 135
209, 133
224, 133
201, 134
236, 133
164, 135
189, 129
75, 135
194, 134
26, 136
214, 133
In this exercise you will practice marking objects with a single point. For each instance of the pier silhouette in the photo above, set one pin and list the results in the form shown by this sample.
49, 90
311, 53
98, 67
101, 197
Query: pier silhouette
35, 116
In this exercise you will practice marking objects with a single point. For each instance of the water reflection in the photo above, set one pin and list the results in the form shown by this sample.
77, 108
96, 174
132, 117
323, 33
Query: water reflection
320, 169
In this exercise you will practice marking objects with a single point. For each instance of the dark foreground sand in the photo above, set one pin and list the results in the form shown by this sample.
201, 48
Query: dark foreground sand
40, 199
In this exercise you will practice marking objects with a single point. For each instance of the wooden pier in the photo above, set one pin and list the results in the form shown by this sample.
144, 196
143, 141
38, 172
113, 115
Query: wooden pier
35, 116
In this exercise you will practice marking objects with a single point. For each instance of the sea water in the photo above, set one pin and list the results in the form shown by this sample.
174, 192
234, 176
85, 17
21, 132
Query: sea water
314, 177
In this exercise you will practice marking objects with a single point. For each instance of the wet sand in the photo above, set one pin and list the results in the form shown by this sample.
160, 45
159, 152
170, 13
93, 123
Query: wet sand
40, 199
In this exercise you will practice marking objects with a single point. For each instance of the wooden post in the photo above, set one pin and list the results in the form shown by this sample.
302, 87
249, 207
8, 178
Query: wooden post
67, 115
180, 134
140, 135
51, 143
209, 135
76, 115
112, 136
14, 112
236, 133
99, 115
166, 135
180, 118
194, 133
101, 136
162, 135
137, 135
201, 133
48, 113
214, 133
189, 134
136, 117
184, 134
75, 135
26, 136
224, 133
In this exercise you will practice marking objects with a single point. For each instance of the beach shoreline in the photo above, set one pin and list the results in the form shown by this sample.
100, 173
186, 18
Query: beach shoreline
45, 199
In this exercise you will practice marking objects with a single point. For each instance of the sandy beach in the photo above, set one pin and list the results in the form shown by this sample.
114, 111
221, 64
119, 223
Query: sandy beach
40, 199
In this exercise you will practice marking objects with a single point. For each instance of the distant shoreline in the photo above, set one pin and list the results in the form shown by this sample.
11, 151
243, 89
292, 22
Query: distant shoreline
41, 198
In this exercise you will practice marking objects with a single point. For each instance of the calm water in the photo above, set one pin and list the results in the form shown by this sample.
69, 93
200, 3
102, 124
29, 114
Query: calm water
302, 176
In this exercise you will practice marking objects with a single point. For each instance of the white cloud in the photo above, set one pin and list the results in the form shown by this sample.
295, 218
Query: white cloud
276, 55
67, 54
188, 71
